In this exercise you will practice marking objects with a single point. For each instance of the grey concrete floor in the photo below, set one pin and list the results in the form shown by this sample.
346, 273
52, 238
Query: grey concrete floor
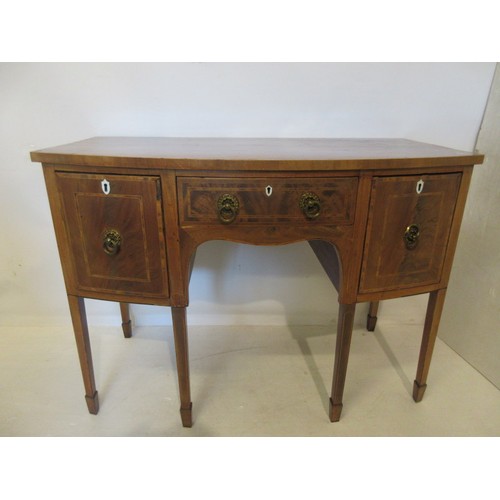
245, 381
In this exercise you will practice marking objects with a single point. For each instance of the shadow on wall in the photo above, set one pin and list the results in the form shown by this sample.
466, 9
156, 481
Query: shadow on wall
269, 285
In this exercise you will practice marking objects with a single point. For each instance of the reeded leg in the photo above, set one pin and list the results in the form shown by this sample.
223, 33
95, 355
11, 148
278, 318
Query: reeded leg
79, 319
126, 323
344, 334
182, 358
432, 317
371, 320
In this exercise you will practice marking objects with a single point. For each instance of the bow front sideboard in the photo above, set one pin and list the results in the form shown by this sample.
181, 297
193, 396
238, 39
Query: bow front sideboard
381, 215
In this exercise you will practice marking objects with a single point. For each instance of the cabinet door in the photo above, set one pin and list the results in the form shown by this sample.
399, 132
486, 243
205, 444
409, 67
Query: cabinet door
408, 228
115, 231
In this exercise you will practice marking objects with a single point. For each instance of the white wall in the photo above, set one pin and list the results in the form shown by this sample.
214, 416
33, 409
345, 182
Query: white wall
471, 317
44, 105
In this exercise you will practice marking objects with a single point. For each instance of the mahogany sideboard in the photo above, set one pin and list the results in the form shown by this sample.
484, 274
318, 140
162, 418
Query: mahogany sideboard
382, 216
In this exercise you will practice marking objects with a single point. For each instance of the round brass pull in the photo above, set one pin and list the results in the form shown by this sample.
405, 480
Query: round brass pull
310, 205
228, 207
411, 236
111, 241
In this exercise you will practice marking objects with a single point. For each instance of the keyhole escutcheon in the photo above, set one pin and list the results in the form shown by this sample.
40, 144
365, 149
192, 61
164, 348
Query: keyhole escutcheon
106, 186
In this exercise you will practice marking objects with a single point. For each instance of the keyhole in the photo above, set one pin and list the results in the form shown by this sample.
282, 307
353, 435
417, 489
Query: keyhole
420, 186
106, 186
269, 190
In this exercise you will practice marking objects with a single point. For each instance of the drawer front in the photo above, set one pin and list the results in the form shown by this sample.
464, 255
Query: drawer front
115, 230
238, 201
408, 229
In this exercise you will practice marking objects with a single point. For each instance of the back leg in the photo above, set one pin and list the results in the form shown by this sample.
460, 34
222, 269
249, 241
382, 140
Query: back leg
371, 320
126, 323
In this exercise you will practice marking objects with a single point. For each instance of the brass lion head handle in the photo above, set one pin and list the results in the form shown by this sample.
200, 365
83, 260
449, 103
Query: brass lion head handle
111, 241
228, 207
411, 236
310, 205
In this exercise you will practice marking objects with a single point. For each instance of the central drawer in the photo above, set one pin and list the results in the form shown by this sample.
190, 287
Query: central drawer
267, 200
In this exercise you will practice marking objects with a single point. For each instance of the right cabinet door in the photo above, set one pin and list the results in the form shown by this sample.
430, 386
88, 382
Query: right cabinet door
408, 229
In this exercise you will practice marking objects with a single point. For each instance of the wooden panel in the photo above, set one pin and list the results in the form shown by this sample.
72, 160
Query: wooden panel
329, 259
198, 200
134, 212
258, 154
395, 205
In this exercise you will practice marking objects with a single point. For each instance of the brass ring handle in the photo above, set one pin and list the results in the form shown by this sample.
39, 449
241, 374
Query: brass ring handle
411, 236
228, 207
111, 241
310, 205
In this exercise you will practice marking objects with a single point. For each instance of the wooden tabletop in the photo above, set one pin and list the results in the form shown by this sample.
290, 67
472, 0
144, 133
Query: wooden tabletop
253, 153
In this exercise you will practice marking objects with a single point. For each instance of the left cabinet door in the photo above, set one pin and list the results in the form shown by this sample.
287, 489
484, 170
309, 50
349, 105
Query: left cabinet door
115, 234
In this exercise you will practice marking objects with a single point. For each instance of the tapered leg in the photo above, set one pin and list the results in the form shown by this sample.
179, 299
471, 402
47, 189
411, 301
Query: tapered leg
344, 334
182, 358
79, 319
371, 320
432, 317
126, 323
